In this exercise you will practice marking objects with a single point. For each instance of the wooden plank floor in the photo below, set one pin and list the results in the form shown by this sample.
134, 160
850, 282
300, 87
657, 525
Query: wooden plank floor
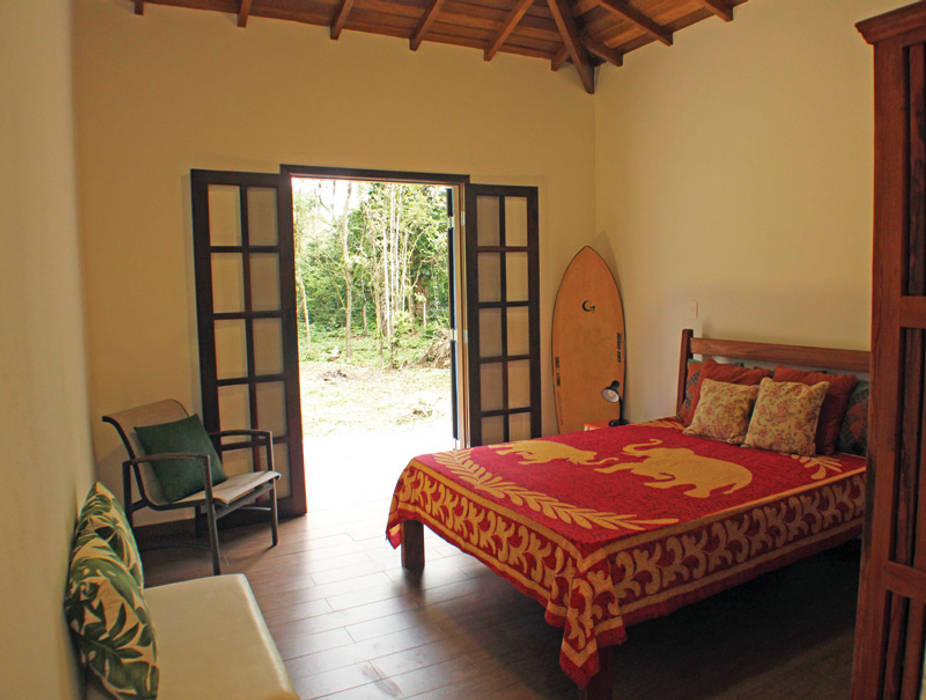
350, 623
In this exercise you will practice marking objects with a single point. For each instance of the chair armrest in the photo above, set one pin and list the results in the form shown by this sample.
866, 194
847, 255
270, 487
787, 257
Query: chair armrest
266, 435
241, 431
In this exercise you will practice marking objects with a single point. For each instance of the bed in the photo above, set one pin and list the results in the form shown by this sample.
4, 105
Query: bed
610, 527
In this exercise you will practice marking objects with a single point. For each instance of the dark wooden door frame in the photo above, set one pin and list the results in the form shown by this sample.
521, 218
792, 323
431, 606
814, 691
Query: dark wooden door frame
455, 181
329, 173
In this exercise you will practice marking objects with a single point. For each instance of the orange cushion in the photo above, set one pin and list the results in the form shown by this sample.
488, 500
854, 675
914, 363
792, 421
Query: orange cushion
723, 411
785, 417
732, 374
834, 405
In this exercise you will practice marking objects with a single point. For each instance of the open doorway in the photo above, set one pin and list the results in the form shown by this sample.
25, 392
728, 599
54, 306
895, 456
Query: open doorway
247, 309
375, 303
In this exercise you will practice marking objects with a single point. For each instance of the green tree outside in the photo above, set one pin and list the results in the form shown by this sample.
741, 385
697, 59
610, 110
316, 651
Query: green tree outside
372, 281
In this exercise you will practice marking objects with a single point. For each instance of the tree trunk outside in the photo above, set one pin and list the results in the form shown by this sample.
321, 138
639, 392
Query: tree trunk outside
348, 274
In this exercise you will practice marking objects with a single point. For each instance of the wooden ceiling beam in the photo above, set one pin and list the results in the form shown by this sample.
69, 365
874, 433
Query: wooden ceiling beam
139, 7
243, 13
606, 52
425, 24
511, 21
565, 22
340, 19
626, 11
720, 8
559, 58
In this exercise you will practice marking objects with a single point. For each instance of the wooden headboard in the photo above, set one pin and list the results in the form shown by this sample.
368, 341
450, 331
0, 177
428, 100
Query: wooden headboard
797, 355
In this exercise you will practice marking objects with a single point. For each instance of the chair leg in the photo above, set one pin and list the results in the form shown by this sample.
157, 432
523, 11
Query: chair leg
197, 523
213, 540
127, 495
274, 516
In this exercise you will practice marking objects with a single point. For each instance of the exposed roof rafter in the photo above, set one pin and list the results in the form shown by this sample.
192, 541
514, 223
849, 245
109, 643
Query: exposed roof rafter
243, 13
637, 18
565, 22
720, 8
425, 24
585, 33
340, 18
606, 52
511, 21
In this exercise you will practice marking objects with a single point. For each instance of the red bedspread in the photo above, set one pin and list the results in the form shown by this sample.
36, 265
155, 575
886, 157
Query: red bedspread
610, 527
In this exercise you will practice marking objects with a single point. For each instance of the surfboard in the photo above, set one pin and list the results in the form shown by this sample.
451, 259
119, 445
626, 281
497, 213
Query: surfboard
588, 342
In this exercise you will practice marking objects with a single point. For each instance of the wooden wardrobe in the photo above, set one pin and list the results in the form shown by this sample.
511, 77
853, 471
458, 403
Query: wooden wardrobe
892, 595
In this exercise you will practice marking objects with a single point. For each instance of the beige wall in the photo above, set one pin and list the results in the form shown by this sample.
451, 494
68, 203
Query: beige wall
45, 434
177, 89
734, 169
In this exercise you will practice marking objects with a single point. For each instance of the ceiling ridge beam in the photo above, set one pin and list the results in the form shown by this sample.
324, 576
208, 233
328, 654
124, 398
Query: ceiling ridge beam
603, 51
566, 23
638, 19
340, 19
511, 21
425, 24
720, 8
243, 13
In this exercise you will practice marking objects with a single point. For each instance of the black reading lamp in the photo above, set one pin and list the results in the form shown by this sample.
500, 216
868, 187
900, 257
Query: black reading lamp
612, 393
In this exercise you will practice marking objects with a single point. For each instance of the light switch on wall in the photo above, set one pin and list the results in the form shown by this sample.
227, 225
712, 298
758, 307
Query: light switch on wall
693, 310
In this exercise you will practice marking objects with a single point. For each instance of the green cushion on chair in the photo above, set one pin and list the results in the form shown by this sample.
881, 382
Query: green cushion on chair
180, 477
103, 514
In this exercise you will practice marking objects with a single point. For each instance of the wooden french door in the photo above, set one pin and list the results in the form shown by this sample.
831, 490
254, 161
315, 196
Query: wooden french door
503, 313
245, 302
246, 310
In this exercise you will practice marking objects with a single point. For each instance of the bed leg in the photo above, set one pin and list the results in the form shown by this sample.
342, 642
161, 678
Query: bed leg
413, 545
601, 685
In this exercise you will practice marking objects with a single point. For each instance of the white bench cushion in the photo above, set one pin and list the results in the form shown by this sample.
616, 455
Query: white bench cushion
213, 642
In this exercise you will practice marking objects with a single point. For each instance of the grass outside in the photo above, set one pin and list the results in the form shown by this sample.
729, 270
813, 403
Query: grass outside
339, 398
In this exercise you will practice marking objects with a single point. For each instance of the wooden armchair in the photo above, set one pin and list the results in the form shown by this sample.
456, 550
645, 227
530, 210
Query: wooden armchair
240, 491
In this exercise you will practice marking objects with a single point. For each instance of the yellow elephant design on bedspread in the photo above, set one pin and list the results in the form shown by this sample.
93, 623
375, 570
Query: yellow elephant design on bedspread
542, 451
666, 466
671, 466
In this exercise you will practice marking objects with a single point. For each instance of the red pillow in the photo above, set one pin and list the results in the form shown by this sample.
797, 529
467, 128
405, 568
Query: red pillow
834, 405
692, 380
733, 374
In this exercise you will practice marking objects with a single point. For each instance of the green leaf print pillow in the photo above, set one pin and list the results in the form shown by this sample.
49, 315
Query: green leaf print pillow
108, 615
103, 513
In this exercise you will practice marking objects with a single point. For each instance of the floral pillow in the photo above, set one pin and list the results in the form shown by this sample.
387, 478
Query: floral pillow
107, 613
723, 411
103, 514
722, 372
834, 405
785, 417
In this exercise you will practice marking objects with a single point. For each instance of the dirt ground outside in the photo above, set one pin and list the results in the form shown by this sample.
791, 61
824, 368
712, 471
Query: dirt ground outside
361, 426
